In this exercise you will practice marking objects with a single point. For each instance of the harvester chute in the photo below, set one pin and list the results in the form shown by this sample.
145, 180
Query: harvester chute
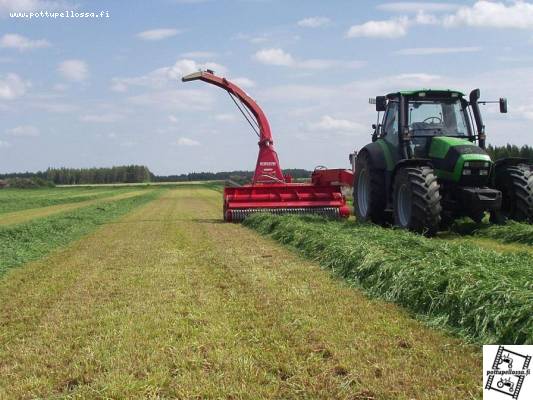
270, 190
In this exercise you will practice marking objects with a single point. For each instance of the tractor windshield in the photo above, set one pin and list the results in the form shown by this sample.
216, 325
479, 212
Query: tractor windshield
437, 117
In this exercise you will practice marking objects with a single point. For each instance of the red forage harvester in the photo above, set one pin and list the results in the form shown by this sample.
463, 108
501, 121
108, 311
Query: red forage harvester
271, 191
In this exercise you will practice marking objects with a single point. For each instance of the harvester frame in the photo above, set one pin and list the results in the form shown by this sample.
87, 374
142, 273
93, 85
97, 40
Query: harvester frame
270, 190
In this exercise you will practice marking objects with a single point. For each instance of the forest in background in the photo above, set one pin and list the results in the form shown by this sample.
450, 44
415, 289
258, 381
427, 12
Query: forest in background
141, 173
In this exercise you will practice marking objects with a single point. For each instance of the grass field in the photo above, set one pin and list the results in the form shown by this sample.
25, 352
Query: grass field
166, 301
12, 200
42, 232
483, 294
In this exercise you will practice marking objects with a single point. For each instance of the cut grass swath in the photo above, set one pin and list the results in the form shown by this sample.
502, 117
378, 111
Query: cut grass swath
32, 240
22, 199
481, 294
511, 232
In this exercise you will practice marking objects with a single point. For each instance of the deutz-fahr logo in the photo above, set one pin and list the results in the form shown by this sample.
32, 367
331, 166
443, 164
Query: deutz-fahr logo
507, 373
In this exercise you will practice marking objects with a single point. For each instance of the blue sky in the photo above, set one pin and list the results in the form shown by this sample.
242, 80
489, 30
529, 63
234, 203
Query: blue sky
82, 92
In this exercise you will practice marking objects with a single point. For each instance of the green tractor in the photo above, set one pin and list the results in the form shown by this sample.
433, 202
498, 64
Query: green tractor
427, 165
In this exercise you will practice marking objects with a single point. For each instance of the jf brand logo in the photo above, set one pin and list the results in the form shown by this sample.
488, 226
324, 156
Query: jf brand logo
507, 373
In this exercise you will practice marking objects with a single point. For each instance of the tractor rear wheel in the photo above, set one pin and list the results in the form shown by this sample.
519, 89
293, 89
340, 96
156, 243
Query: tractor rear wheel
416, 200
516, 184
369, 196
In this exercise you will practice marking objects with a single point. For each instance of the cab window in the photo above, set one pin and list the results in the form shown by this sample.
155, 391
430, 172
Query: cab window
390, 123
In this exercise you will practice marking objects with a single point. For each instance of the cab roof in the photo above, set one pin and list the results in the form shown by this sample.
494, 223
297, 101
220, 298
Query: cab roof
428, 93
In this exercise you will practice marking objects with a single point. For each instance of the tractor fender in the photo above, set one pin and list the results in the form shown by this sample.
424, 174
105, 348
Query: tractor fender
503, 163
415, 162
511, 161
375, 154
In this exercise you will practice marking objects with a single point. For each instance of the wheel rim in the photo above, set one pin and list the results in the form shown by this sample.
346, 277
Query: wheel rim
363, 193
404, 205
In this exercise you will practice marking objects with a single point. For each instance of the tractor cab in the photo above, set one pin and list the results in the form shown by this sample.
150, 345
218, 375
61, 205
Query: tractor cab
420, 115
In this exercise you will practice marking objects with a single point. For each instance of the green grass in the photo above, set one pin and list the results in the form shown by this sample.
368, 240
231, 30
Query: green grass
480, 294
511, 232
31, 240
168, 302
22, 199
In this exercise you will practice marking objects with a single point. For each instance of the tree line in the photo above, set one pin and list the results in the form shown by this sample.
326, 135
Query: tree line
141, 173
77, 176
510, 150
236, 176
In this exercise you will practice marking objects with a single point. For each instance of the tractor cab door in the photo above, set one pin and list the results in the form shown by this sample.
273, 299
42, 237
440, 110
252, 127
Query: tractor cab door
391, 128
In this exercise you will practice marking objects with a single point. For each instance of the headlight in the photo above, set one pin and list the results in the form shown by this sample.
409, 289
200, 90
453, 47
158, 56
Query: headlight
483, 172
467, 164
467, 172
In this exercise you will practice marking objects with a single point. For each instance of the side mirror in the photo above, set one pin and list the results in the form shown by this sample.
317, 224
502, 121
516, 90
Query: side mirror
381, 103
474, 95
503, 105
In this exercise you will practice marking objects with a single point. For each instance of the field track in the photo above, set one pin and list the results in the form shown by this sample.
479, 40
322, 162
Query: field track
168, 302
18, 217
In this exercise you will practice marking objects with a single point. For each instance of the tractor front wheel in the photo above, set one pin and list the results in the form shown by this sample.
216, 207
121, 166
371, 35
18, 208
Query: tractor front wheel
416, 200
516, 184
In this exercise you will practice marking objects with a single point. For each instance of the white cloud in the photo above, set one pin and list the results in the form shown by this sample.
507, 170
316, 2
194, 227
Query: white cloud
319, 63
60, 87
173, 119
515, 14
526, 111
183, 141
274, 57
254, 39
55, 107
175, 100
243, 82
426, 19
422, 51
225, 117
21, 43
161, 77
157, 34
388, 29
24, 130
414, 7
489, 14
74, 70
279, 57
329, 123
416, 78
295, 93
314, 22
198, 54
190, 1
101, 118
12, 86
4, 144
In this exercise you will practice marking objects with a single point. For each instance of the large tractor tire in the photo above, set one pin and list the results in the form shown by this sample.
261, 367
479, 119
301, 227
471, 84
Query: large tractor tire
516, 184
416, 200
369, 195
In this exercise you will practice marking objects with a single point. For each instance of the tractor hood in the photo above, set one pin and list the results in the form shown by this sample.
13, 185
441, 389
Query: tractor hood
449, 155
